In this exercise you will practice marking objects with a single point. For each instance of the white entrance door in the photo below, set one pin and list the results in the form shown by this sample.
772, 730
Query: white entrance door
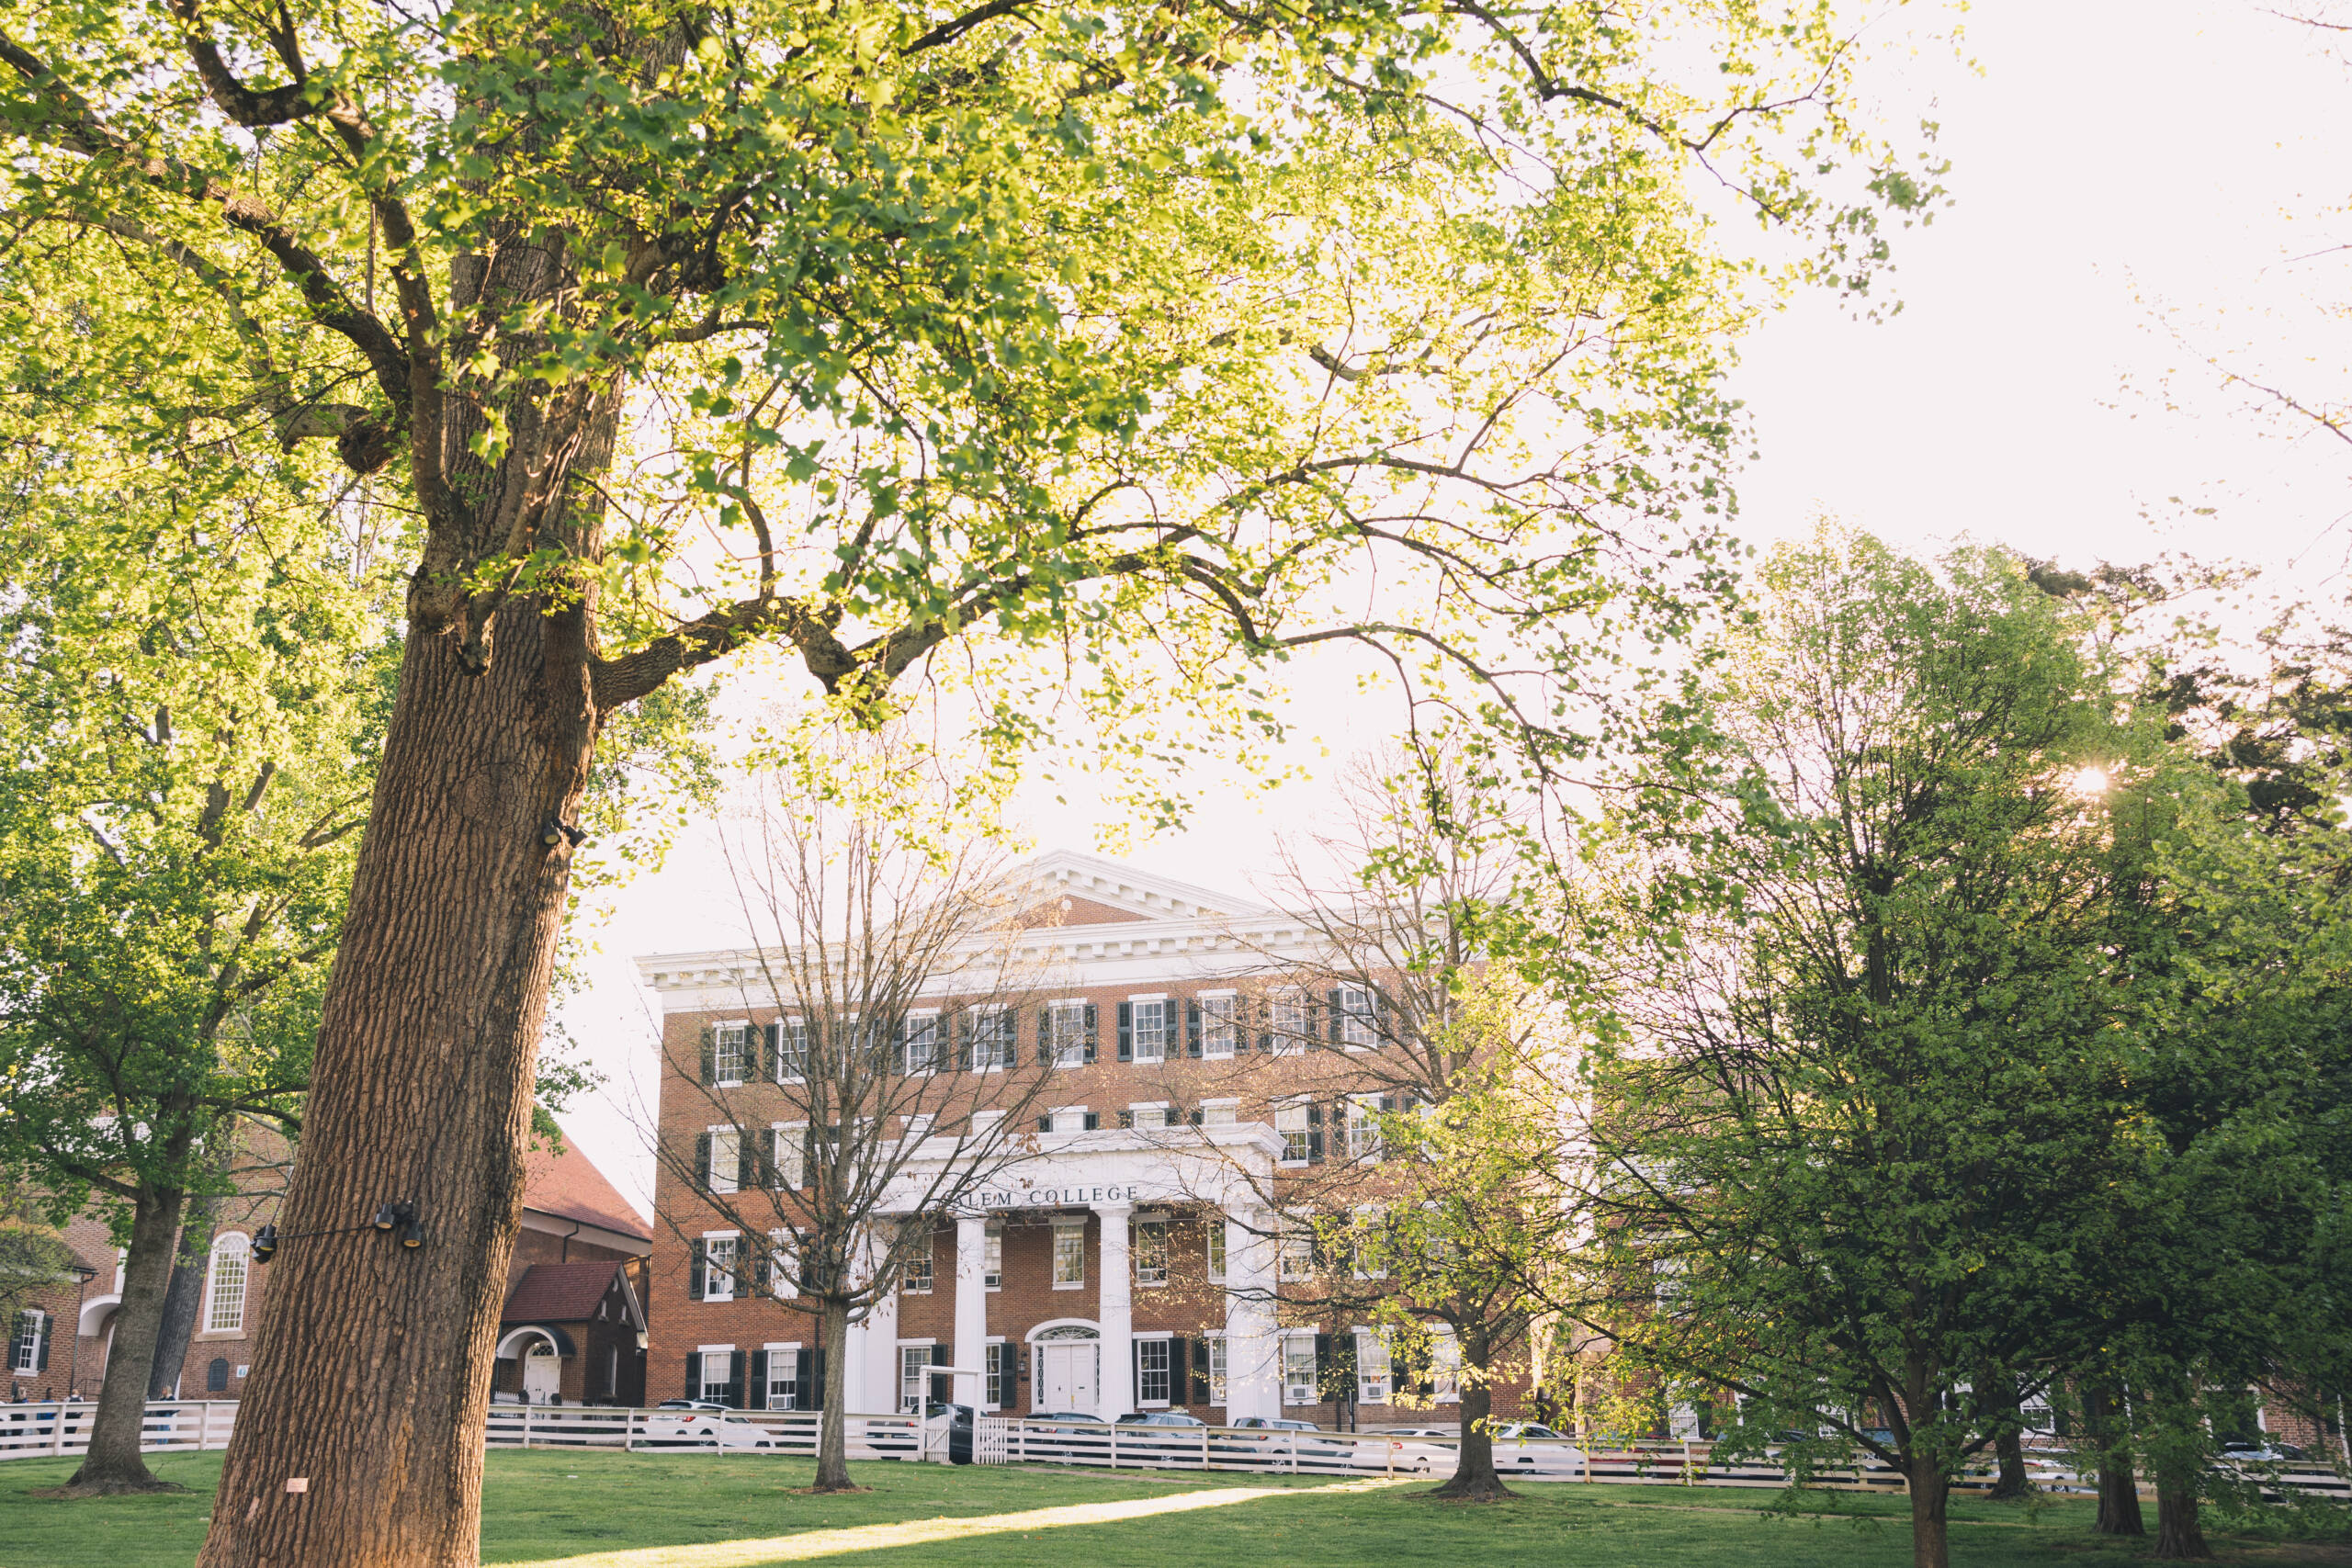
542, 1373
1069, 1368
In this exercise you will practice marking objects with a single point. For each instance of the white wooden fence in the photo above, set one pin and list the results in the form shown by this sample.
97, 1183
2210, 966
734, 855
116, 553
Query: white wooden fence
29, 1431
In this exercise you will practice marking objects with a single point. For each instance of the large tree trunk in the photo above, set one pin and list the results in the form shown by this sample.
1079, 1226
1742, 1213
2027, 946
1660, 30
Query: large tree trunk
2178, 1533
1474, 1479
833, 1432
2011, 1484
2119, 1487
1931, 1532
113, 1464
184, 1295
360, 1437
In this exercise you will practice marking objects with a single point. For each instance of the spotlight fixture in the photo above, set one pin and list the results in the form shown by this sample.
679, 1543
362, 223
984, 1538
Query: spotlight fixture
387, 1216
556, 830
265, 1244
412, 1232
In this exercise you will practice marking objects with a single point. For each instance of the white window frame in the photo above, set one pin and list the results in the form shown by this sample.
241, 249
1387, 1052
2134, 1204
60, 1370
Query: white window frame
1445, 1365
1054, 1118
1220, 1024
992, 1257
1139, 1109
914, 1386
737, 1030
229, 1245
713, 1271
1167, 1031
1364, 1129
1073, 1231
1167, 1370
1363, 1218
1356, 1030
1295, 1253
1220, 1381
1303, 1131
726, 1157
1286, 1015
791, 1048
783, 1265
998, 1379
791, 1153
1067, 1022
726, 1354
925, 1282
790, 1352
25, 1337
1370, 1390
1215, 1247
1150, 1277
1002, 1035
1220, 1112
1313, 1392
934, 1033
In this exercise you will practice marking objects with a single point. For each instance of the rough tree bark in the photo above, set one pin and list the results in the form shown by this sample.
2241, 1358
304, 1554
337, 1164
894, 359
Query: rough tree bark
2119, 1487
1474, 1479
113, 1465
184, 1295
833, 1432
2010, 1484
2179, 1535
1930, 1499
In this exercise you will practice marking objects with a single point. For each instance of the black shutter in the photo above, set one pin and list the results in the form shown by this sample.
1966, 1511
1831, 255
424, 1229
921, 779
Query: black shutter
755, 1393
1200, 1359
1135, 1353
1089, 1031
709, 1058
898, 1047
698, 1262
1127, 1119
702, 1160
1322, 1368
694, 1374
805, 1392
747, 1163
48, 1337
1045, 1123
963, 1040
1194, 1116
768, 1050
1044, 1037
735, 1380
771, 1156
1379, 1016
1265, 1015
1093, 1121
1336, 999
1192, 1028
1342, 1385
1313, 1133
814, 1399
808, 1147
1126, 1032
762, 1271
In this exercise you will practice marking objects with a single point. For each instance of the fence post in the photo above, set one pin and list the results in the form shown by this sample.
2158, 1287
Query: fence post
1292, 1436
1114, 1444
57, 1432
628, 1431
1204, 1447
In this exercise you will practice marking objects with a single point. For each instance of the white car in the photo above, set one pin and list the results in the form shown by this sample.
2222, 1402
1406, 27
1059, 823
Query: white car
723, 1429
1532, 1449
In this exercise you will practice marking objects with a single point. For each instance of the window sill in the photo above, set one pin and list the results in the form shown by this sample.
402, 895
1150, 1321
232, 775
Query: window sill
1077, 1286
1293, 1164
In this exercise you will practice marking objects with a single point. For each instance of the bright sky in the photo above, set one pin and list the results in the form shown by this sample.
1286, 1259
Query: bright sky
2134, 180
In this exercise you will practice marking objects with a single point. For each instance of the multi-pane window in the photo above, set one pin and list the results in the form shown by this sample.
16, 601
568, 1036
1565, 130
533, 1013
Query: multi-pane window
726, 1159
1069, 1119
791, 1050
1151, 1252
1219, 1026
1069, 1256
718, 1268
718, 1374
1217, 1250
1298, 1370
1291, 1122
992, 1259
914, 1376
1154, 1030
1445, 1364
1372, 1368
224, 1310
1294, 1255
1151, 1371
24, 1344
1287, 1021
784, 1270
1219, 1113
992, 1041
1368, 1242
923, 1046
731, 1051
1216, 1372
1363, 1127
1358, 1023
1068, 1022
1149, 1117
788, 1154
917, 1277
783, 1378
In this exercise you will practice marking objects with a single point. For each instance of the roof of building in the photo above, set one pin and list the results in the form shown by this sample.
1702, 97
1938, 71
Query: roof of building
569, 1185
559, 1292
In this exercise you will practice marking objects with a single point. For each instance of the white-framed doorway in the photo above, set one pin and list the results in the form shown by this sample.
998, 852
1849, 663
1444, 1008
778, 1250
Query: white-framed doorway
1068, 1361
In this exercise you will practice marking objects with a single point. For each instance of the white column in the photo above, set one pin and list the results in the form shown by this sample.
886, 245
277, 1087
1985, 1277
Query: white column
1116, 1315
971, 1304
858, 1352
882, 1352
1252, 1345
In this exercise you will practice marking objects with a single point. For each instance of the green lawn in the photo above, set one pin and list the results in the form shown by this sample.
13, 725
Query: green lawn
542, 1507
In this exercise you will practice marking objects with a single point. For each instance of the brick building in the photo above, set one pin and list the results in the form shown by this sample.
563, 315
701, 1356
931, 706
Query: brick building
573, 1328
1129, 1257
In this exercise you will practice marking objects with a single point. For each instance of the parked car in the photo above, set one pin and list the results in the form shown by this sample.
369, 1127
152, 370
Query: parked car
1532, 1450
685, 1404
2269, 1451
1073, 1433
959, 1419
1159, 1419
697, 1427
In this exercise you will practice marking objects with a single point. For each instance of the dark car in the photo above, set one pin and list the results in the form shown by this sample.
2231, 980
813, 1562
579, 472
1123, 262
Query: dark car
959, 1419
1159, 1419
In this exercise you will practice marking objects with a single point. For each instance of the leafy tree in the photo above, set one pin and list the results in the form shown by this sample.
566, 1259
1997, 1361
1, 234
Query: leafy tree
1852, 1130
1147, 335
184, 711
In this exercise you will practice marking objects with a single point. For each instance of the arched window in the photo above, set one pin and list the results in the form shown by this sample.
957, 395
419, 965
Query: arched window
216, 1376
224, 1299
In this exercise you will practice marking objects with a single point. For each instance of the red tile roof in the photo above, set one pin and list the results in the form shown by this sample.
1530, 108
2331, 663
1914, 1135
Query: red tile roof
570, 1186
559, 1292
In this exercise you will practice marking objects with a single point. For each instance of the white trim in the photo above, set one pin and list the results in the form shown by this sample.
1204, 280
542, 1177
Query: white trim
750, 1049
1150, 997
781, 1345
1085, 1323
714, 1349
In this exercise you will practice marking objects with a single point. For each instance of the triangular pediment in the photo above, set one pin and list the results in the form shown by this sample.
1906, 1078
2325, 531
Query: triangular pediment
1078, 889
